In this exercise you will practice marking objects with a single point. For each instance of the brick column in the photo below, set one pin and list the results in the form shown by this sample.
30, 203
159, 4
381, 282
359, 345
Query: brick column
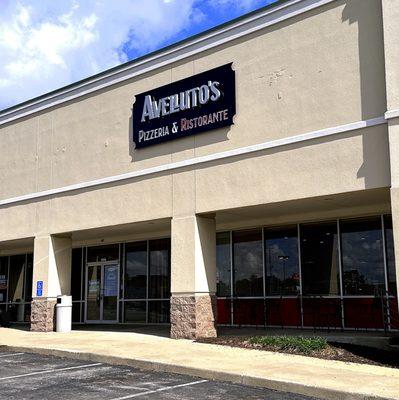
42, 314
51, 266
193, 301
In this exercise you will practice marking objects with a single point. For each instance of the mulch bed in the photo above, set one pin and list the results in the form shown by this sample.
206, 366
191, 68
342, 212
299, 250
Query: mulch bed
333, 351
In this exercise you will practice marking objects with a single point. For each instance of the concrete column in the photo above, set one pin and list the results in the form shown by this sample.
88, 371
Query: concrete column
193, 277
390, 9
52, 261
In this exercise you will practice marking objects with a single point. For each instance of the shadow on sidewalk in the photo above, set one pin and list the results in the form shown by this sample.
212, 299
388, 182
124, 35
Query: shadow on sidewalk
152, 330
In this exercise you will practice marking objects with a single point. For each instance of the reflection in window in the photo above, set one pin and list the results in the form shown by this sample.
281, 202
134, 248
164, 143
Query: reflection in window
362, 256
29, 277
136, 270
281, 259
16, 281
158, 312
248, 265
390, 251
3, 279
76, 312
135, 311
159, 274
109, 252
76, 274
16, 274
319, 252
223, 267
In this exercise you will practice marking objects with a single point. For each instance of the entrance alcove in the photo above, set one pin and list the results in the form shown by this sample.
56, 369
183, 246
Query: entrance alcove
121, 275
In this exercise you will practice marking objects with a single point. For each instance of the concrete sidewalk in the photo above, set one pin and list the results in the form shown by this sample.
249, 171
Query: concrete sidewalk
319, 378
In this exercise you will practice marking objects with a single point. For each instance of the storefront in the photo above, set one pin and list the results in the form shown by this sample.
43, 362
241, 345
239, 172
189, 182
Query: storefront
246, 176
337, 274
122, 283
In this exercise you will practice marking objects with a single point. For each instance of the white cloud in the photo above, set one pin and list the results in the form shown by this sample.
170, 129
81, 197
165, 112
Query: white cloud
46, 44
239, 4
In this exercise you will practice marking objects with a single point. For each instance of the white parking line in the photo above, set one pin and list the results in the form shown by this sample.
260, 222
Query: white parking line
46, 371
158, 390
11, 354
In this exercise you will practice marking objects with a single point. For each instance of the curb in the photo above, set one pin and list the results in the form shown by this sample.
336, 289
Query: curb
282, 386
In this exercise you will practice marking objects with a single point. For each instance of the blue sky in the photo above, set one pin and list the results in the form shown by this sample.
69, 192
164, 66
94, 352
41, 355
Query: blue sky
47, 44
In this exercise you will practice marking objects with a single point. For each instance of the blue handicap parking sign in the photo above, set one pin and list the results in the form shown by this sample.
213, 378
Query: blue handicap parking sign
39, 289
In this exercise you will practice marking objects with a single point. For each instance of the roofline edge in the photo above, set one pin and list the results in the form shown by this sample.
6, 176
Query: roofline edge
242, 26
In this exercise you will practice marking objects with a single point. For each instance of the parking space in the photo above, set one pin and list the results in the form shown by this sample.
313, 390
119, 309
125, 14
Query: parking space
29, 376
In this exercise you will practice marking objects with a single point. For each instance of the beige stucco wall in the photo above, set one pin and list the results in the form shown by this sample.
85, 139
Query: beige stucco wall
352, 162
391, 36
321, 69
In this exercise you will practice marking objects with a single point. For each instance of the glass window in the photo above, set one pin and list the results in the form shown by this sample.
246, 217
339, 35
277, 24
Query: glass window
224, 311
362, 256
120, 319
248, 265
281, 260
135, 311
319, 252
27, 312
136, 270
76, 311
390, 252
158, 312
223, 264
2, 308
84, 255
109, 252
121, 275
76, 274
249, 311
93, 288
3, 279
29, 277
159, 274
16, 282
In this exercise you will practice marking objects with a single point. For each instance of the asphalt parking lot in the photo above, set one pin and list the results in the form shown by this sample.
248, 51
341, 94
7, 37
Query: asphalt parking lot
31, 376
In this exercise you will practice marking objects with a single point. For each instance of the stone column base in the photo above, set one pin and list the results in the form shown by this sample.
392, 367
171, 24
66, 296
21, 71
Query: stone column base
193, 317
43, 315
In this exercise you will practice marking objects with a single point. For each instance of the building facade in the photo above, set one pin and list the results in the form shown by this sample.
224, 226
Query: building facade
245, 176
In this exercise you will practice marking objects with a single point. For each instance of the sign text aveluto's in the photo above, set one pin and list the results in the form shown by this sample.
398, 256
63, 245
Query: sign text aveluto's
200, 103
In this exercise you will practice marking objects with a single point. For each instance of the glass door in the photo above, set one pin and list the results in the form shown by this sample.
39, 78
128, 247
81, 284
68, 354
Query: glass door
102, 283
110, 292
93, 303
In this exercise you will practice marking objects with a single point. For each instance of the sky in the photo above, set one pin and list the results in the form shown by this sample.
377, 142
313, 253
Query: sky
47, 44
